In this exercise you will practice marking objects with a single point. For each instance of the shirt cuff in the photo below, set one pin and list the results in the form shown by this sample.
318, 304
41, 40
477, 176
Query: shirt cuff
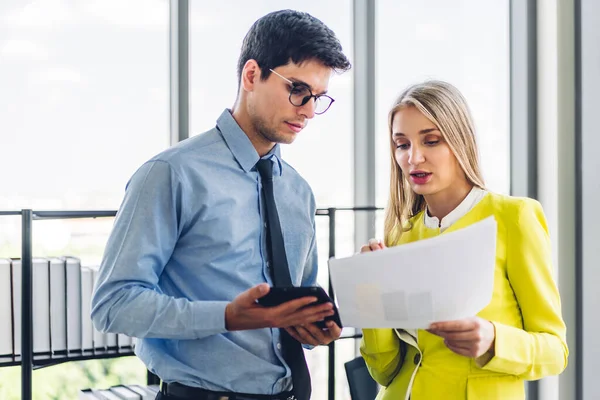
485, 358
510, 351
208, 317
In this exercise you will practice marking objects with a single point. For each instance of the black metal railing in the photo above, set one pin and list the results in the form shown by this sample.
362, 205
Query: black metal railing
27, 359
30, 361
331, 214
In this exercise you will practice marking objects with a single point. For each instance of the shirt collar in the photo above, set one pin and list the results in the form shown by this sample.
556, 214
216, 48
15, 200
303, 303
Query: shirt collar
273, 155
474, 196
240, 145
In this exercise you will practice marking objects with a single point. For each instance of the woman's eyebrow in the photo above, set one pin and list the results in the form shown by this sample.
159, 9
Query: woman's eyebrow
421, 132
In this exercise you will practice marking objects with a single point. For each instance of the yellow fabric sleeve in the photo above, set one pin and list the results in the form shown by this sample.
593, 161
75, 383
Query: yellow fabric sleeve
382, 353
540, 348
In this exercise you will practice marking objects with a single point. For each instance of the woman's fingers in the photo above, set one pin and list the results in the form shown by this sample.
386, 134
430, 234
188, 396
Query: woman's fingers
375, 244
372, 245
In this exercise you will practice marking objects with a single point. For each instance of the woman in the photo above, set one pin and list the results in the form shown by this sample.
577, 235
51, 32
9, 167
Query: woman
436, 186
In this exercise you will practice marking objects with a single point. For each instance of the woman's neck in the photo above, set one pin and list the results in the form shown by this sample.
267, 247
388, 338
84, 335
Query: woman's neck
443, 203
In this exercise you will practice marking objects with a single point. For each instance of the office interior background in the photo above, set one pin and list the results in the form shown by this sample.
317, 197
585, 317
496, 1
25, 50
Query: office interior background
90, 89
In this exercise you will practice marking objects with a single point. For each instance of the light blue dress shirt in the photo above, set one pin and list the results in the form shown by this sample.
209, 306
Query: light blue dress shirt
188, 238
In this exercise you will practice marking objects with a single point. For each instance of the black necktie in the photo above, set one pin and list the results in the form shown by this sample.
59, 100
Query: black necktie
280, 272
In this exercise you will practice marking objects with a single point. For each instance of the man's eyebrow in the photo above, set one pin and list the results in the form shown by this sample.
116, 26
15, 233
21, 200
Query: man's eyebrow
299, 82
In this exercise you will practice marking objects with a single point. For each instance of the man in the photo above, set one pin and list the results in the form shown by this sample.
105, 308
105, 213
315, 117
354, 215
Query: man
194, 244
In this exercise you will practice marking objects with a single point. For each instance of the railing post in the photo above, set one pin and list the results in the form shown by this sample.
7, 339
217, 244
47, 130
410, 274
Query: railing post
331, 358
26, 306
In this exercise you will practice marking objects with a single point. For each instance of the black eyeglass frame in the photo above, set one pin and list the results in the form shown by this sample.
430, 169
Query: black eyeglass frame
305, 99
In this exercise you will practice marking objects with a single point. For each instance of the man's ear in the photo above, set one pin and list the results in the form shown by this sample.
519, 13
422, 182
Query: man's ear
250, 75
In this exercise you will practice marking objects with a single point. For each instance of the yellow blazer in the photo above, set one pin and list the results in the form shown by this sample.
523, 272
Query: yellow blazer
525, 310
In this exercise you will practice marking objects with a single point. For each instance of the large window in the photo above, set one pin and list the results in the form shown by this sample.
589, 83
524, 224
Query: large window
84, 100
322, 153
463, 42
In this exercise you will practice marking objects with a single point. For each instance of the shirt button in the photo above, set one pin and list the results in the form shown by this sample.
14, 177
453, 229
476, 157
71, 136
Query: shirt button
417, 358
278, 346
265, 224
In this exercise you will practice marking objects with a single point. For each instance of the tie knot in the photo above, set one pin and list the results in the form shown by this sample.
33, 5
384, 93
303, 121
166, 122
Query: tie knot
265, 169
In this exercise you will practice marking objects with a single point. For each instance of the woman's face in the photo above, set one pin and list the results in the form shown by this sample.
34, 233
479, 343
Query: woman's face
423, 155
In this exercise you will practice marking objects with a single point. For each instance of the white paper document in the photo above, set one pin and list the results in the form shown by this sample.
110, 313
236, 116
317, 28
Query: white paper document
410, 286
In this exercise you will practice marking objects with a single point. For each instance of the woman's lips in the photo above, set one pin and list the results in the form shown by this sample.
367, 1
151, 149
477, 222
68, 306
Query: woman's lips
420, 178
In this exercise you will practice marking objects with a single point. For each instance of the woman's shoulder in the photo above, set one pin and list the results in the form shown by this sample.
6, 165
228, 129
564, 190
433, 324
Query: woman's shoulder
514, 208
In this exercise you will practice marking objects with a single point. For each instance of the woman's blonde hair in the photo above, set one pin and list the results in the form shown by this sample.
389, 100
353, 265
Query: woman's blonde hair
444, 106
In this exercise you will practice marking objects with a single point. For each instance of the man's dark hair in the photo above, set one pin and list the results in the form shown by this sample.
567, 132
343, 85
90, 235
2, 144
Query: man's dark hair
287, 35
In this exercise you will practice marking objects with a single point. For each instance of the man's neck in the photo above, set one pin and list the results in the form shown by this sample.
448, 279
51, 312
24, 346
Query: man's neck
240, 115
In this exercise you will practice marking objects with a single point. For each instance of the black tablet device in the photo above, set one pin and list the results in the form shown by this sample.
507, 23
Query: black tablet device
279, 295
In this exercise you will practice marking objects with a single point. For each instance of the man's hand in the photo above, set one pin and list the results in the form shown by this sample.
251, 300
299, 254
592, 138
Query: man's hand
313, 335
244, 313
469, 337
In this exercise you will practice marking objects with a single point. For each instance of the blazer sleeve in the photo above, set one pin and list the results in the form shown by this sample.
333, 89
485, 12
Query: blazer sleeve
540, 348
382, 353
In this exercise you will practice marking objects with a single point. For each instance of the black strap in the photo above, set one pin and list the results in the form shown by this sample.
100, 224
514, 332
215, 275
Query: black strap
181, 391
291, 348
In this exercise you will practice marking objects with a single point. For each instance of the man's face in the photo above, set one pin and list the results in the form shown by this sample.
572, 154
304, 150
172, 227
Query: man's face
272, 115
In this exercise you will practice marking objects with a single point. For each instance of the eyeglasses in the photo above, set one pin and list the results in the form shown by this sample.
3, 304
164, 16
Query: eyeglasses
300, 94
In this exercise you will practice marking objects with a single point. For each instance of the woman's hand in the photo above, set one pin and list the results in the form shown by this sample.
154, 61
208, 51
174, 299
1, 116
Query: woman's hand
373, 245
469, 337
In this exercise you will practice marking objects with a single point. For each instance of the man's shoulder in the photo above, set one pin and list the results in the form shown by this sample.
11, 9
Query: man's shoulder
203, 145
